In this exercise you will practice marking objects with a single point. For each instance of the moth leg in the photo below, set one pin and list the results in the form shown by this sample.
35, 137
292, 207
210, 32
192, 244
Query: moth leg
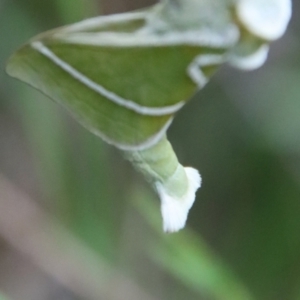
195, 70
176, 185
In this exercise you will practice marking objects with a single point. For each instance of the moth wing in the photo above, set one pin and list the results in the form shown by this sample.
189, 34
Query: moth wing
127, 94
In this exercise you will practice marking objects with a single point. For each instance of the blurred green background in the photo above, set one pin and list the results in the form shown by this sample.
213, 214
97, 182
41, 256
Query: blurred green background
76, 222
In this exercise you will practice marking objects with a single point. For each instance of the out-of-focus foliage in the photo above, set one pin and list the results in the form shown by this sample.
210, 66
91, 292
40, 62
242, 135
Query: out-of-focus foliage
242, 132
187, 257
2, 297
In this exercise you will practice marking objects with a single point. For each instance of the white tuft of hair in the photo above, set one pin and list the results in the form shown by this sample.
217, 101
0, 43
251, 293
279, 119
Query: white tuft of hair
175, 210
268, 19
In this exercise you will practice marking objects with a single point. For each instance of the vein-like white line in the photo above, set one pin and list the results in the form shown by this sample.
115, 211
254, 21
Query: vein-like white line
202, 38
252, 61
143, 146
195, 68
104, 20
144, 110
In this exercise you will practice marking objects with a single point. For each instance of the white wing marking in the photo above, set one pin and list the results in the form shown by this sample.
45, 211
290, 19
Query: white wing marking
203, 60
153, 140
144, 110
146, 38
252, 61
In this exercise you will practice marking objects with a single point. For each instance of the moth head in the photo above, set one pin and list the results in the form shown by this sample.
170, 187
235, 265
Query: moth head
266, 19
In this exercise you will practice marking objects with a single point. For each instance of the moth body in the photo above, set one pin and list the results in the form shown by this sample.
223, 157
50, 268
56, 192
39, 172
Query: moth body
125, 76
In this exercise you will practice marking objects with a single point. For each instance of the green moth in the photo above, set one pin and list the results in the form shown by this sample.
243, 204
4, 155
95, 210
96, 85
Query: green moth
125, 76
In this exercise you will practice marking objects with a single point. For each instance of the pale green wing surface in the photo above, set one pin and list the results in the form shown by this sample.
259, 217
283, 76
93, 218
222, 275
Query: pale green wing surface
127, 94
149, 76
114, 123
